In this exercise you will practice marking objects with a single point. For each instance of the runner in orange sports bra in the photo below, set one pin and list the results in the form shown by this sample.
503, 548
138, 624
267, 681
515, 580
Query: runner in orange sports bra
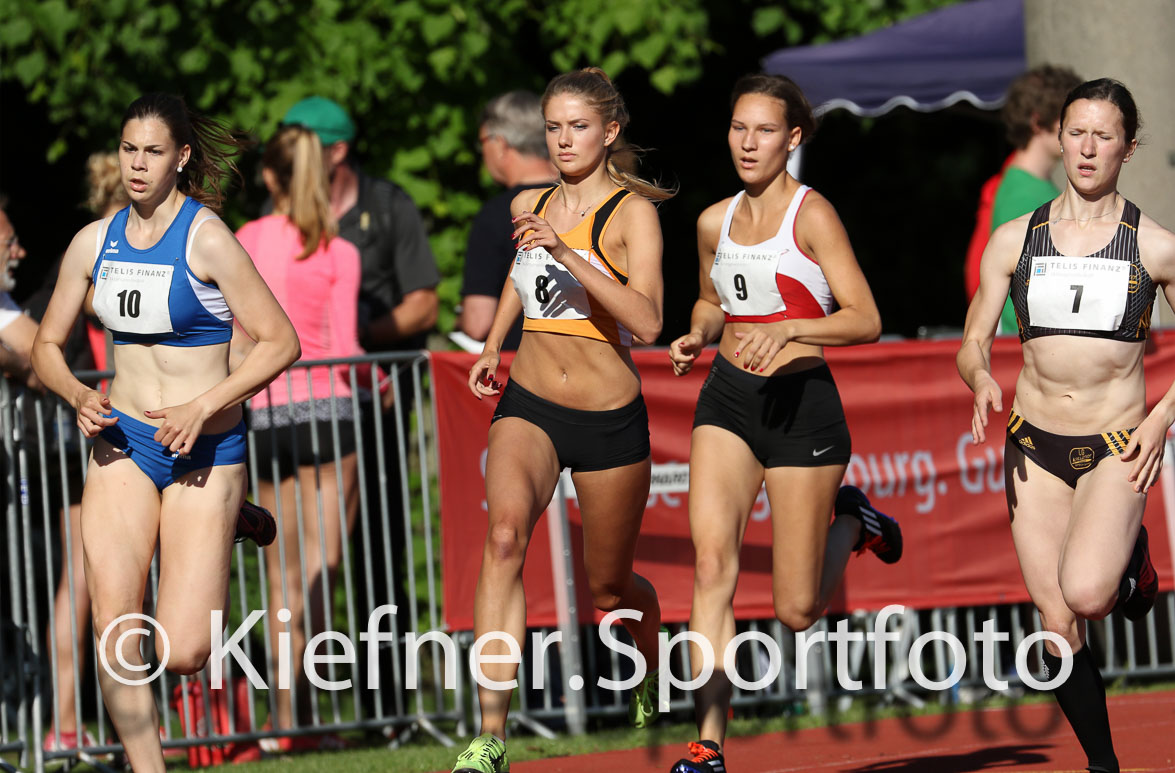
587, 276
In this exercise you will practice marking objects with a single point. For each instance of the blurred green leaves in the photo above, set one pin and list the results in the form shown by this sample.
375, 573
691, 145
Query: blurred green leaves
413, 73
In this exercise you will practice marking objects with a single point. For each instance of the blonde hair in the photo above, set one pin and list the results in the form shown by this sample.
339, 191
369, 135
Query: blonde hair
295, 158
105, 183
597, 89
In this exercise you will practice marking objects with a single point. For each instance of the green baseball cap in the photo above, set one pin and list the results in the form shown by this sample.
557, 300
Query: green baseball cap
324, 117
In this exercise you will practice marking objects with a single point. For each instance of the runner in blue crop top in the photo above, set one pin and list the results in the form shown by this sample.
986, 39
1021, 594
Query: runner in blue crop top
1081, 450
168, 465
151, 296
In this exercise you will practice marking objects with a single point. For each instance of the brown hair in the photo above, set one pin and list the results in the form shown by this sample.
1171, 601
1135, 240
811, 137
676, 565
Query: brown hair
1114, 92
105, 183
295, 158
214, 145
1034, 101
597, 89
797, 111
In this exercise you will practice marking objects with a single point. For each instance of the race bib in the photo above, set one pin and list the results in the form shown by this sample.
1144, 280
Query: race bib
1078, 293
134, 297
745, 282
547, 289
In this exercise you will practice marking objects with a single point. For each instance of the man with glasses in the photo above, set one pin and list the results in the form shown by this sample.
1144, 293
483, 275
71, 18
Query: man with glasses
16, 329
514, 149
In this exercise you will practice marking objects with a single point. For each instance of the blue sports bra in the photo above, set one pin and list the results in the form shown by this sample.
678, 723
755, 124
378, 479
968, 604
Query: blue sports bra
151, 296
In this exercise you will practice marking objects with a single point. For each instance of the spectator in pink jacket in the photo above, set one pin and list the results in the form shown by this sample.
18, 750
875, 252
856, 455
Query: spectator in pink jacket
314, 275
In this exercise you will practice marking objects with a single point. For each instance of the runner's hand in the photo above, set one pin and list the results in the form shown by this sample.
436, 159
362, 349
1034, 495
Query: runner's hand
533, 231
481, 375
758, 348
94, 411
1146, 451
988, 397
181, 426
684, 352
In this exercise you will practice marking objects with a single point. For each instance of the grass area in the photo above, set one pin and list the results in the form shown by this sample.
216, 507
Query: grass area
424, 755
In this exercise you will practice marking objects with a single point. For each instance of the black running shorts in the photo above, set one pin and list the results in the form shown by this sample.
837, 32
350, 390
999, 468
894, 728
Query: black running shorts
793, 420
584, 440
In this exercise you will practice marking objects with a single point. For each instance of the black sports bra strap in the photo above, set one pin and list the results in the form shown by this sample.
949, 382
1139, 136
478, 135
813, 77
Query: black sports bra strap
600, 219
543, 199
1131, 214
1041, 215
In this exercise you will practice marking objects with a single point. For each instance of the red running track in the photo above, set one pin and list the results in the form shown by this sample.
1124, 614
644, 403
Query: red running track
1026, 738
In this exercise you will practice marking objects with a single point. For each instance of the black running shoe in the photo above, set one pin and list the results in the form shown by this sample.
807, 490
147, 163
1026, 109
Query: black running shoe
704, 757
1140, 583
879, 532
254, 522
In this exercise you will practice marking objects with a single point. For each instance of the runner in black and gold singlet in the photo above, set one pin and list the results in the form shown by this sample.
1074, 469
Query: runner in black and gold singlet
587, 276
1083, 270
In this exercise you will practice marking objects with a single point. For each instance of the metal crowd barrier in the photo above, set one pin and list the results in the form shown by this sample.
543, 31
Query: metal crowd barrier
392, 558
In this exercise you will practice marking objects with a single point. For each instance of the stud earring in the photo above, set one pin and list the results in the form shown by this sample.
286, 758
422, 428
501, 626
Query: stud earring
179, 168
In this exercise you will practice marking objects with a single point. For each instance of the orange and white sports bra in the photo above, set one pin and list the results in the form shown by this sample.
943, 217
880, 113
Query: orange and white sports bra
553, 300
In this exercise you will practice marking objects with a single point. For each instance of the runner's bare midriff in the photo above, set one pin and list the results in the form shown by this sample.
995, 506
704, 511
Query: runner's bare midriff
576, 372
792, 358
1076, 385
165, 376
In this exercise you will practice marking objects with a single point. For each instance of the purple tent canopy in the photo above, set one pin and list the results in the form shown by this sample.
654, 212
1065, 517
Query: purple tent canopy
966, 52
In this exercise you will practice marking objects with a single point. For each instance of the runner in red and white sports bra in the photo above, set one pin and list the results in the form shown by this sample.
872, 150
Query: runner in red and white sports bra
772, 280
778, 282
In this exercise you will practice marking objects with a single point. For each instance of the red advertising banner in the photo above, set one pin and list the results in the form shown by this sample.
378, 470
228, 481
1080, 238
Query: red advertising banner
909, 414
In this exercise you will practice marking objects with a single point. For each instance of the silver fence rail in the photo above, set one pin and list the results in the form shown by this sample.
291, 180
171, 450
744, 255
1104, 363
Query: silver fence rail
389, 554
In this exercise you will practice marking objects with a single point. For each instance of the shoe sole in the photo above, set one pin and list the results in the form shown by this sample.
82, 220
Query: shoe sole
1142, 601
857, 500
262, 527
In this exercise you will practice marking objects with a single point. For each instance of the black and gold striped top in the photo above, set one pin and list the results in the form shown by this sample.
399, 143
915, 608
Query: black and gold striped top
1140, 292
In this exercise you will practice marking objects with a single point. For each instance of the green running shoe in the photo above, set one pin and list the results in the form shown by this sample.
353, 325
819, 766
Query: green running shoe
485, 754
643, 707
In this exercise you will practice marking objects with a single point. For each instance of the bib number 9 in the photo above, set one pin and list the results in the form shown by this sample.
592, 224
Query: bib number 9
740, 287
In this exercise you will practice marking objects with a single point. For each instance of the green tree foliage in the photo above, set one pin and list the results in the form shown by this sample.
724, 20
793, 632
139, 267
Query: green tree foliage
414, 73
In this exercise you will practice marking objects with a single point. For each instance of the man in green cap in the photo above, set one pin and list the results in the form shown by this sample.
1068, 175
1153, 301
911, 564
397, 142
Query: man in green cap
397, 290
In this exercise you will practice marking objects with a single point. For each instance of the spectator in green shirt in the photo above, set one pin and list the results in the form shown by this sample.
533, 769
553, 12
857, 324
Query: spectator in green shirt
1032, 115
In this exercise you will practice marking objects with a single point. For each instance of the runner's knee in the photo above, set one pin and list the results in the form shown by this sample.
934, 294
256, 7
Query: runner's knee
715, 569
797, 612
505, 543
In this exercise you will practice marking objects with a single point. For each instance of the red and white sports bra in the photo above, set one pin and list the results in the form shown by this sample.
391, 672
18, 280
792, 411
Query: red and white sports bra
771, 280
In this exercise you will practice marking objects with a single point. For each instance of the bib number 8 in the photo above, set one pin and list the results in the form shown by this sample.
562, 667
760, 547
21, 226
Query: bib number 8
129, 303
541, 293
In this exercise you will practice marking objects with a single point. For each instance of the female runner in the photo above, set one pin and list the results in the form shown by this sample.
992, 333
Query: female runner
168, 459
1083, 269
778, 282
588, 278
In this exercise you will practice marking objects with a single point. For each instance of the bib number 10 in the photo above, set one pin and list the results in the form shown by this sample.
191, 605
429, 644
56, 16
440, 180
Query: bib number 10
129, 303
